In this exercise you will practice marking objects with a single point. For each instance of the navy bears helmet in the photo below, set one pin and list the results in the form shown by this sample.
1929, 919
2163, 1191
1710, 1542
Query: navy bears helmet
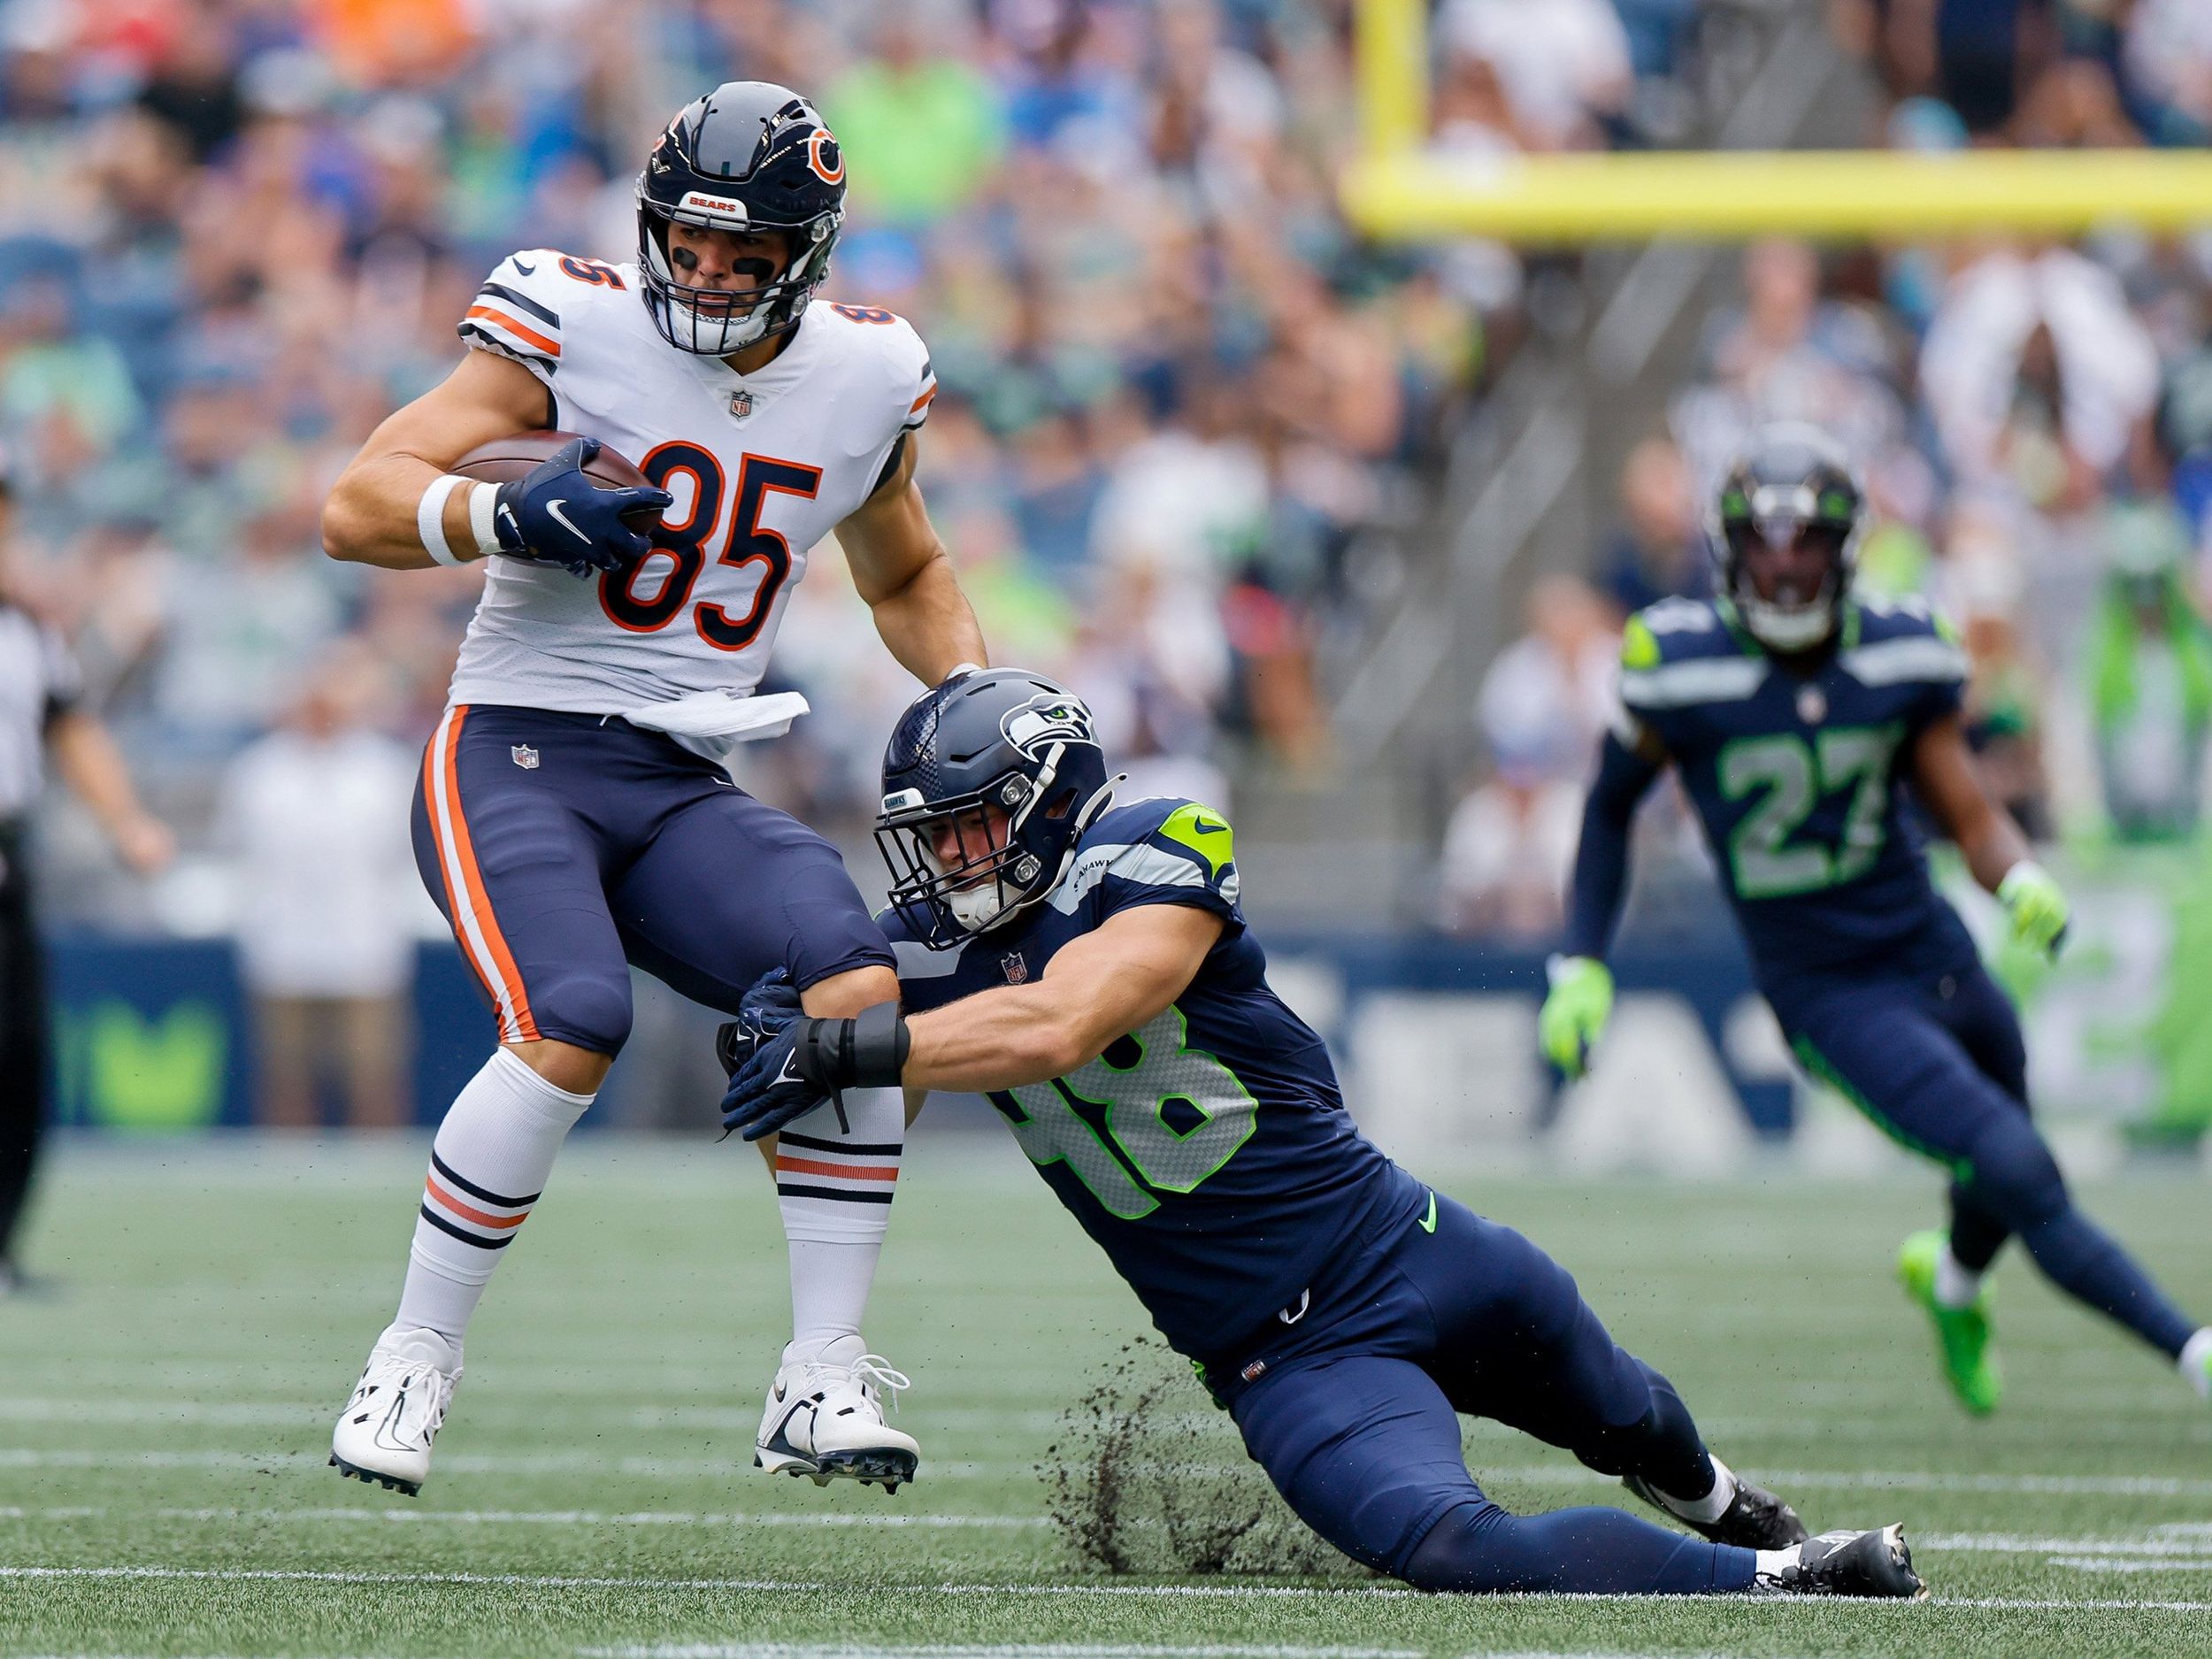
1786, 530
750, 156
999, 743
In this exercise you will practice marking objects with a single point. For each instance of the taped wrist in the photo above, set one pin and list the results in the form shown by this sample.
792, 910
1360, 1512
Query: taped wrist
866, 1052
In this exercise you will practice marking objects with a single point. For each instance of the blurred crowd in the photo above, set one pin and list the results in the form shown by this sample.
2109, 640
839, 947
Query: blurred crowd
233, 233
2034, 421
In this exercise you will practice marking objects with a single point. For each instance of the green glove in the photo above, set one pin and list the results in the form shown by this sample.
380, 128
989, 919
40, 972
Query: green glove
1575, 1013
2038, 907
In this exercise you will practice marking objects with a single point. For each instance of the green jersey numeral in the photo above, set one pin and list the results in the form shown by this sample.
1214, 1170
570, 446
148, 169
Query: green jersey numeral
1170, 1117
1789, 777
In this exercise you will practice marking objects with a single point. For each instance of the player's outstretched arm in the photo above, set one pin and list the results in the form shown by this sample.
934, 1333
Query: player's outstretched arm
903, 570
371, 516
1581, 996
1098, 987
1995, 851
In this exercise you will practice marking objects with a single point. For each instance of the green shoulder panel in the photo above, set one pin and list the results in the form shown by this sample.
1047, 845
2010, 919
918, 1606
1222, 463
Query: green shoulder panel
1640, 646
1204, 830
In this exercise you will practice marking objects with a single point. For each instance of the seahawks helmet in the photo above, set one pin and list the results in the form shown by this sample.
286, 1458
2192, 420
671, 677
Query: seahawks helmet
750, 156
999, 739
1792, 488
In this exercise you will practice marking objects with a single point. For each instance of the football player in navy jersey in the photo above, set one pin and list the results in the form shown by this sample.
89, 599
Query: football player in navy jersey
1088, 967
1794, 713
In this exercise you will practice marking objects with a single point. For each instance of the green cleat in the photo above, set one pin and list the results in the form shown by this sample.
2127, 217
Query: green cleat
1962, 1334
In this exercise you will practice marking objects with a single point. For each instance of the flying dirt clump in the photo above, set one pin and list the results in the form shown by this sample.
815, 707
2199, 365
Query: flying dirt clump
1146, 1476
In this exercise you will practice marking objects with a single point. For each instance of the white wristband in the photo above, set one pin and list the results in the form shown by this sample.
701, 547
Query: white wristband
483, 505
430, 518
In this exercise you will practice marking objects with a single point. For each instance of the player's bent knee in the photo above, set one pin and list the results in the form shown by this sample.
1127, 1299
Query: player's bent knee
2014, 1173
842, 996
564, 1064
1475, 1549
588, 1011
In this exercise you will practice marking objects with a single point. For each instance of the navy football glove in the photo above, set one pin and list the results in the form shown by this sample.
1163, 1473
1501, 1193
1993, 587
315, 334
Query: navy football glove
808, 1061
770, 1088
765, 1009
554, 514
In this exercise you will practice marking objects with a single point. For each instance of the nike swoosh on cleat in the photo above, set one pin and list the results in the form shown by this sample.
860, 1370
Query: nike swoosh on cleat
566, 523
1428, 1222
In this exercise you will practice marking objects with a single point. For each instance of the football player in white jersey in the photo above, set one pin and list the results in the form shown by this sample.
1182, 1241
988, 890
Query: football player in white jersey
570, 817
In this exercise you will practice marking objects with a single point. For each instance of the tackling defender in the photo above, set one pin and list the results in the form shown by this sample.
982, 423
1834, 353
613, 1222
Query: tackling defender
566, 835
1791, 712
1088, 967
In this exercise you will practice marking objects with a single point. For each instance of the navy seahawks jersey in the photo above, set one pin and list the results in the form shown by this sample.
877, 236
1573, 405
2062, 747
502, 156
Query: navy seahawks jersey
1797, 779
1208, 1153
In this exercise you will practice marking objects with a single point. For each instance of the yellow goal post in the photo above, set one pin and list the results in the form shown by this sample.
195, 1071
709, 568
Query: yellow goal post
1396, 189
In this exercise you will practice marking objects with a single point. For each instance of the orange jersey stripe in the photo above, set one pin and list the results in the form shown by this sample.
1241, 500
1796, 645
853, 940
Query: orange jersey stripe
552, 348
468, 1212
502, 961
843, 1171
920, 403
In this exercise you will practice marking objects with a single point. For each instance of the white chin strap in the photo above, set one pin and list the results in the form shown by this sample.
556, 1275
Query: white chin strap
735, 333
1789, 627
976, 908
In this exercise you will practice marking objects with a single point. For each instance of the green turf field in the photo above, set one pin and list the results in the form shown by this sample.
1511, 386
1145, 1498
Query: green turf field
164, 1422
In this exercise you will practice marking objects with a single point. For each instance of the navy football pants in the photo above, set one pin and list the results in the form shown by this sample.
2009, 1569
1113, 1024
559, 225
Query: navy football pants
1942, 1069
1354, 1413
563, 847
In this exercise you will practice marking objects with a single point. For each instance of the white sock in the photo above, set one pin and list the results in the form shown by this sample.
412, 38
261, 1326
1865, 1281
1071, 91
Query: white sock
487, 1166
2196, 1361
1713, 1505
833, 1187
1955, 1287
1772, 1563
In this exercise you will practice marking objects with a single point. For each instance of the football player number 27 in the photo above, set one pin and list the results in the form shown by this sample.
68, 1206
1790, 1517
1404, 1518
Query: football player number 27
652, 593
1791, 778
1171, 1117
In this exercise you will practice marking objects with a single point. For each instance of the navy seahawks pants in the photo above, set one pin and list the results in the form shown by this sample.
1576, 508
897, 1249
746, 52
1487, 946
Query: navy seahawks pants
1354, 1412
1939, 1065
564, 846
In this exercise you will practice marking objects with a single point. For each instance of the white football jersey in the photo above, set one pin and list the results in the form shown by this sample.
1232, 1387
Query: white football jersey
762, 466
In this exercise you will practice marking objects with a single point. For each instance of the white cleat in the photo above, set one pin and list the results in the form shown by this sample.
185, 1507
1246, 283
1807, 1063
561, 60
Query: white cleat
383, 1435
824, 1418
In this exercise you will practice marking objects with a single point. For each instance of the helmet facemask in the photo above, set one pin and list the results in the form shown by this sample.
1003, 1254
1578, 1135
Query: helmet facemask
1790, 525
993, 879
716, 322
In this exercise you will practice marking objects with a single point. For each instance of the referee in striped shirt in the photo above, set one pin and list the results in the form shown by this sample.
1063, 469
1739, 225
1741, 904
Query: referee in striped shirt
40, 718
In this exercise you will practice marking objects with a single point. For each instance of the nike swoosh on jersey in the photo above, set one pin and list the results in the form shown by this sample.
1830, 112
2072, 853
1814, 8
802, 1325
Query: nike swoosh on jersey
566, 523
526, 270
1204, 828
1428, 1222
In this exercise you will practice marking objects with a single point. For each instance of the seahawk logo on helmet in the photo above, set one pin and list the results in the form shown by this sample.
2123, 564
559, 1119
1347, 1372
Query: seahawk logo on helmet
1004, 769
1786, 532
750, 156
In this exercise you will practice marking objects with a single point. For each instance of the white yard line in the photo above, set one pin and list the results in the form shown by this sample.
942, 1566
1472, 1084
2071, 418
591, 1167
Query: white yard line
987, 1650
535, 1517
1165, 1592
595, 1463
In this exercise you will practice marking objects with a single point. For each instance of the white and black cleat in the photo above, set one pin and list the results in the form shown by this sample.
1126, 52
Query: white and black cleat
825, 1420
1754, 1518
384, 1435
1876, 1564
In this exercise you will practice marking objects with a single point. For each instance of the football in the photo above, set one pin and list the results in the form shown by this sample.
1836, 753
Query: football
506, 459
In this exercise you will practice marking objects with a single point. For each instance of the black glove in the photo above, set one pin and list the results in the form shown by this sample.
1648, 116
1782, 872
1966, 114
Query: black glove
553, 514
790, 1073
764, 1011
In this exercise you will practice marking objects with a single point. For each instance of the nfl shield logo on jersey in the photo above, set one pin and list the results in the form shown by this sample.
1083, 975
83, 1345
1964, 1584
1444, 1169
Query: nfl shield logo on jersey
741, 403
526, 757
1016, 969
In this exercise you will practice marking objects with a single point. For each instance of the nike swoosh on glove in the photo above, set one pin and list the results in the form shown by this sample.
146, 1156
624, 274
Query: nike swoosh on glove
556, 514
771, 1004
768, 1090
